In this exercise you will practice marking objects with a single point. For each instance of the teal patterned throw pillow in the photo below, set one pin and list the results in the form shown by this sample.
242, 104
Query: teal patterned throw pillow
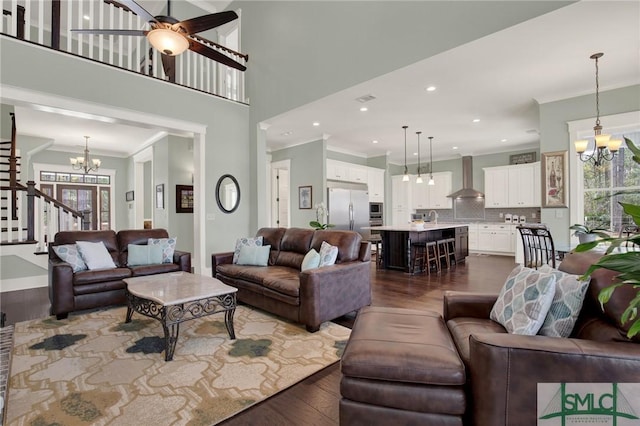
524, 301
566, 304
168, 246
245, 242
69, 253
328, 254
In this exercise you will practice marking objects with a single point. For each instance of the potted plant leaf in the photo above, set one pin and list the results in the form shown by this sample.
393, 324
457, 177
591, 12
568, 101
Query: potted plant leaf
626, 262
586, 234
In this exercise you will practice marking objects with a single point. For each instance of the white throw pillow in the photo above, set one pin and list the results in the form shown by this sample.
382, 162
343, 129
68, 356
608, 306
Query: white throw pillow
311, 260
69, 253
328, 254
566, 304
95, 255
168, 247
524, 301
254, 255
245, 242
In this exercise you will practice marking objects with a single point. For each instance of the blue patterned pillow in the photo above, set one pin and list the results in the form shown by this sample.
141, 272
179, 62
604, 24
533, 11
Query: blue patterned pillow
524, 301
245, 242
328, 254
566, 304
311, 260
69, 253
168, 247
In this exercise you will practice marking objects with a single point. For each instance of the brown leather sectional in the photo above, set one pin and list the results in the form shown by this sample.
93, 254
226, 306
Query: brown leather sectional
309, 297
69, 291
414, 367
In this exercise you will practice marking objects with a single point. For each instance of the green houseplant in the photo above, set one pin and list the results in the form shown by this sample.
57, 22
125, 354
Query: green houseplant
586, 234
321, 213
626, 263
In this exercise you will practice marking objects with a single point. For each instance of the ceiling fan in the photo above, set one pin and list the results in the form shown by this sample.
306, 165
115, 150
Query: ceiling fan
172, 37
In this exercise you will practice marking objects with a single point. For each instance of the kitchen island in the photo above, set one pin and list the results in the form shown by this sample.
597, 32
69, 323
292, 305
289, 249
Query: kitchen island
396, 241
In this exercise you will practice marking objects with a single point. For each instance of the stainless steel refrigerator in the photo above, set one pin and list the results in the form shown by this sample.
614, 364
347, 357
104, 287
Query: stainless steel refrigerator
348, 206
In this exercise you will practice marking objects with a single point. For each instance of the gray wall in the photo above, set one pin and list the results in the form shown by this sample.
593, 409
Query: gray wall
227, 137
180, 173
303, 51
554, 135
307, 168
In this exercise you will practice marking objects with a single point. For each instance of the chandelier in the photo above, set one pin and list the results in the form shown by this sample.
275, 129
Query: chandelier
606, 148
84, 163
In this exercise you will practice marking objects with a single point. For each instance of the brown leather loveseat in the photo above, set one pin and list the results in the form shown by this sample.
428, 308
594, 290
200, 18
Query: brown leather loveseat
309, 297
69, 291
403, 366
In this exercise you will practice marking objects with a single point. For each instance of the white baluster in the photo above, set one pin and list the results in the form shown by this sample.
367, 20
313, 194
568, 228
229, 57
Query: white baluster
121, 13
80, 35
70, 35
111, 22
13, 19
27, 19
101, 12
130, 43
91, 26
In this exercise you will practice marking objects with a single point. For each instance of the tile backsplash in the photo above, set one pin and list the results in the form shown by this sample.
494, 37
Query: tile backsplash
472, 210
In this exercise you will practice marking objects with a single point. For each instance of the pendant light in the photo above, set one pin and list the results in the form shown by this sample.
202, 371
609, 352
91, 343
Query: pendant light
431, 181
419, 178
405, 177
606, 148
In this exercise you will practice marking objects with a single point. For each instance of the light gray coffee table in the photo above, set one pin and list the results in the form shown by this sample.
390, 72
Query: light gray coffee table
177, 297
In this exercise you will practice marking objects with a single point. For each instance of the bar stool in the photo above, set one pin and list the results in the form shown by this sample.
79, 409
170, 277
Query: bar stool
418, 253
443, 253
377, 242
451, 251
431, 257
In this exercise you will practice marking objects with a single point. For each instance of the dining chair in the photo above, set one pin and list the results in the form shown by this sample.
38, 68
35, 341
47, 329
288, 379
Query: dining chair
627, 231
538, 245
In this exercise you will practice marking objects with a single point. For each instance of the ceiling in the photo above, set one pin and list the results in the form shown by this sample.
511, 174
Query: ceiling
498, 79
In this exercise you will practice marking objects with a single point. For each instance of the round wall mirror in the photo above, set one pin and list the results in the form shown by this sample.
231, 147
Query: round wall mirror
228, 193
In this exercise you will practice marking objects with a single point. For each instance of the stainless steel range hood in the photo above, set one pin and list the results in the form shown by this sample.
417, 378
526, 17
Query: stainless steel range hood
467, 190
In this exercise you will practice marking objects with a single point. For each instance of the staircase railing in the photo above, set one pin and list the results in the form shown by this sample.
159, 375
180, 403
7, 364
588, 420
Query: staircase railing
49, 23
41, 222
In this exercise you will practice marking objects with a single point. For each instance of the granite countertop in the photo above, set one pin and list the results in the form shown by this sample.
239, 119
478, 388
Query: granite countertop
427, 227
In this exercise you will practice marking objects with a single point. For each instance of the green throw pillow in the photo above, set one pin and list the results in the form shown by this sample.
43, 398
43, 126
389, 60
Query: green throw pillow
144, 255
254, 255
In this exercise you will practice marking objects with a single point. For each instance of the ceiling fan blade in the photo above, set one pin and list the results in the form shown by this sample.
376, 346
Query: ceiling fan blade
114, 32
215, 55
138, 10
206, 22
169, 67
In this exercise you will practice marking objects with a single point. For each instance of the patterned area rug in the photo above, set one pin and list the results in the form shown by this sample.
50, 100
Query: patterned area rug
95, 369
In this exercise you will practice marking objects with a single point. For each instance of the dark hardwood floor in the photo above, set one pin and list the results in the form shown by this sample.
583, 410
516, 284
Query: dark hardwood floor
314, 401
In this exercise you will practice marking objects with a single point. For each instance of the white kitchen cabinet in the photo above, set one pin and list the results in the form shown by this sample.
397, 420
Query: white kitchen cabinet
339, 170
357, 174
496, 192
495, 238
512, 186
400, 201
375, 178
438, 193
419, 193
473, 236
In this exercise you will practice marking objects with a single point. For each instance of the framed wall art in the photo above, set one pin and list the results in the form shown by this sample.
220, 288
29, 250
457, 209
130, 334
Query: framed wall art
160, 196
304, 197
184, 198
554, 179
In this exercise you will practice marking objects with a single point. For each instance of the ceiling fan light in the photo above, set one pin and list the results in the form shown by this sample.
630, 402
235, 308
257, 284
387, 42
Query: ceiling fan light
168, 41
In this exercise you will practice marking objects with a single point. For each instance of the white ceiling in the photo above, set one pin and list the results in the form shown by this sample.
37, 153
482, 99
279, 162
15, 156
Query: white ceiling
498, 79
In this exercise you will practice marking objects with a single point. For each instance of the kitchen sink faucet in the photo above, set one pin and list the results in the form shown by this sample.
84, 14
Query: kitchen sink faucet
435, 215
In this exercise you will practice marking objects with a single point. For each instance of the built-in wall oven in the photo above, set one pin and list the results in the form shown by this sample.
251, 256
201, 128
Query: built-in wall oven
375, 218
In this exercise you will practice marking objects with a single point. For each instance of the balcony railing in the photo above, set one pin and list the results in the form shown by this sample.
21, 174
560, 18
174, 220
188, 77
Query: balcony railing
49, 23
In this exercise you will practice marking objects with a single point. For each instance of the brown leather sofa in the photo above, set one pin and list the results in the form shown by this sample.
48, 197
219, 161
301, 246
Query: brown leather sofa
501, 370
309, 297
69, 291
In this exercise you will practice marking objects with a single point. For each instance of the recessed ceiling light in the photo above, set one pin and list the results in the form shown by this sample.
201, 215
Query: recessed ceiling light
503, 140
415, 153
315, 123
86, 17
374, 141
455, 147
476, 120
288, 133
431, 89
363, 109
